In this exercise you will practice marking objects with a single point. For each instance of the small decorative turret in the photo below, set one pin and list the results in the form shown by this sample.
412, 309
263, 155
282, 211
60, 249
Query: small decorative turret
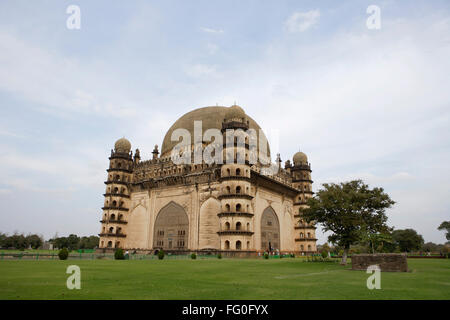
155, 152
137, 156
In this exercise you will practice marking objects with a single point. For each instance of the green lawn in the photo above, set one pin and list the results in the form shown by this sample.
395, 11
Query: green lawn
218, 279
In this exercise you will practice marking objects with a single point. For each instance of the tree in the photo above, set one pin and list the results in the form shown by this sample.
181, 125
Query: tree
347, 209
376, 241
407, 240
34, 241
445, 225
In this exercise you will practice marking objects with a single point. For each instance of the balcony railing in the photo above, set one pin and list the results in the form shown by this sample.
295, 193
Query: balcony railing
123, 195
112, 234
235, 195
115, 208
232, 214
235, 232
114, 221
305, 239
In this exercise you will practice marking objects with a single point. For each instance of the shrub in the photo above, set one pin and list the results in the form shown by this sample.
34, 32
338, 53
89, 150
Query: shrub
266, 255
219, 256
193, 256
324, 254
118, 254
63, 254
161, 254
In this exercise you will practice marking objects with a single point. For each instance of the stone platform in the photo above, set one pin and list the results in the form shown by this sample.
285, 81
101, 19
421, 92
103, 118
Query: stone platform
396, 262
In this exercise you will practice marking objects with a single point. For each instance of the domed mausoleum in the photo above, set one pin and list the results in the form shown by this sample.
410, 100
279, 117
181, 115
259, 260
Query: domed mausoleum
240, 204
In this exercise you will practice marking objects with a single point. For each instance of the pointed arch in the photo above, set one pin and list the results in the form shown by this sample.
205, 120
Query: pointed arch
171, 229
270, 230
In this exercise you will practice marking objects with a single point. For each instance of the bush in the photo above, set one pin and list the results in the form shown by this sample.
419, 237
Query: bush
219, 256
324, 254
63, 254
193, 256
266, 255
118, 254
161, 254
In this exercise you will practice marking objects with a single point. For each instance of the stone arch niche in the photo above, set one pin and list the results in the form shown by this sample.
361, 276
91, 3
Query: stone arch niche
209, 224
270, 230
171, 231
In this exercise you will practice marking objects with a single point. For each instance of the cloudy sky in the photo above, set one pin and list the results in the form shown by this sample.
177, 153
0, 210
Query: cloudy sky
362, 103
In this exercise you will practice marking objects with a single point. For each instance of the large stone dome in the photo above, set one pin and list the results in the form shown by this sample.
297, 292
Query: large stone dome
211, 117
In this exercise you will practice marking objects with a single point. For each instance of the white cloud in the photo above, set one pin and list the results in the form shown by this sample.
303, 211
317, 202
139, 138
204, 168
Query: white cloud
200, 70
212, 48
302, 21
61, 85
211, 30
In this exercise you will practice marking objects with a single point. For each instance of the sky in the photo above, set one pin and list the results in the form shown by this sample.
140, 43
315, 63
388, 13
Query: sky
360, 102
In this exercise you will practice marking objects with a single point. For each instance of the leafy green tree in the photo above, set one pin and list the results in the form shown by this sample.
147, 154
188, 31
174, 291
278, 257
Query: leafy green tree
376, 241
72, 242
346, 209
407, 240
34, 241
3, 237
445, 225
432, 247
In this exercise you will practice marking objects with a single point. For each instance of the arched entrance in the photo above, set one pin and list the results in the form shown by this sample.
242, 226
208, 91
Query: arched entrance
171, 230
270, 230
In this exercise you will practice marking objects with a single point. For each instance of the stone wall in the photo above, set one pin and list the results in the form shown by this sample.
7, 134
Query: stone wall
386, 261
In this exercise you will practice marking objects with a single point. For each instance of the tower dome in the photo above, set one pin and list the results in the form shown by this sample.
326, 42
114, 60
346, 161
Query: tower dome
234, 112
300, 158
122, 146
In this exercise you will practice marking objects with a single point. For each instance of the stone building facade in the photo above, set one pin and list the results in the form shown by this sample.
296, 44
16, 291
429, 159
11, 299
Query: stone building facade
235, 207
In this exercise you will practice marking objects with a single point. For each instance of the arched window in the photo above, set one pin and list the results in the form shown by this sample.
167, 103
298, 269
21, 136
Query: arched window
109, 244
301, 235
114, 203
227, 207
113, 217
116, 190
119, 230
238, 172
238, 189
111, 230
228, 189
228, 172
227, 245
248, 244
227, 226
309, 235
118, 244
302, 248
238, 245
248, 226
238, 207
238, 226
309, 247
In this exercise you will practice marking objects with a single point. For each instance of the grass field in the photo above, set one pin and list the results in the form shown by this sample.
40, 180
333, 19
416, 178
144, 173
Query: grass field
219, 279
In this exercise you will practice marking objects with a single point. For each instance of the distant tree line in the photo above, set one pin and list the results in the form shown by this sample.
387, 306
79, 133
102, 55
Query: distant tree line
73, 242
21, 241
35, 241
